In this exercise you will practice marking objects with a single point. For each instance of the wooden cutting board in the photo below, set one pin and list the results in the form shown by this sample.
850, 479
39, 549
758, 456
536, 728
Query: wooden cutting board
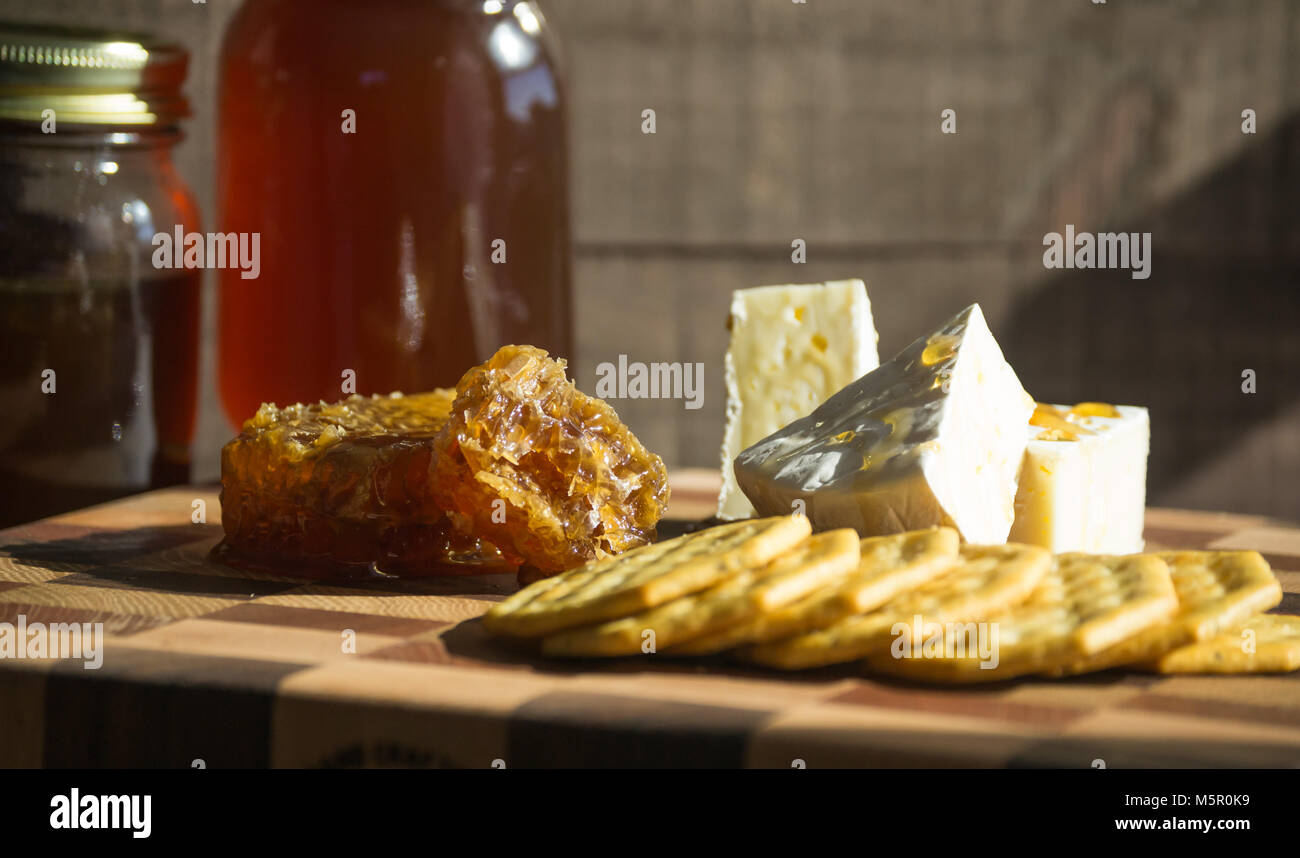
204, 663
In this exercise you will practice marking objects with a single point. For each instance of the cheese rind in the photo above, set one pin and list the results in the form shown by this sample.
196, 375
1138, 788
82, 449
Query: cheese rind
935, 436
791, 348
1085, 490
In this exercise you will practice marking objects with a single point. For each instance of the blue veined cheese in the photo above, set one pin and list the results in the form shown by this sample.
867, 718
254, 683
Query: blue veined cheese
935, 436
1083, 481
791, 348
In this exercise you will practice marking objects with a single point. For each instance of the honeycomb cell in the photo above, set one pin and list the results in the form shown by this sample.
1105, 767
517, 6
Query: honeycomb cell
549, 475
343, 489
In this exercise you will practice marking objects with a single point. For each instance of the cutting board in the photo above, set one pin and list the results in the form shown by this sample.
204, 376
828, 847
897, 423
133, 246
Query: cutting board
206, 665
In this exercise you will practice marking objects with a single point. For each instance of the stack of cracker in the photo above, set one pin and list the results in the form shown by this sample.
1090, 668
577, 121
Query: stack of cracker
918, 605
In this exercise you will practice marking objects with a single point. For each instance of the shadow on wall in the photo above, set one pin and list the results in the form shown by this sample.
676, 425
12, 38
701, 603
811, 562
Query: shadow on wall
1223, 297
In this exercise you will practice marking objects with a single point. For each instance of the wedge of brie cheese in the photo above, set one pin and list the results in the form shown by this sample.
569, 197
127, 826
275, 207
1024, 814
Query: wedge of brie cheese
791, 348
1083, 481
935, 436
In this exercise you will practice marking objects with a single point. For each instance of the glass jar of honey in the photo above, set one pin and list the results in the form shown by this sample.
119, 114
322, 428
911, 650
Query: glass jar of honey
403, 163
98, 347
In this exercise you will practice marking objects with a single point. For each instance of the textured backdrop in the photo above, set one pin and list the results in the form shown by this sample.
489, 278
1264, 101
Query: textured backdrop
779, 120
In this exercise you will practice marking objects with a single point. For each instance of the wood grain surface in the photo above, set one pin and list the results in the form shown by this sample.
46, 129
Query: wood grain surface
202, 662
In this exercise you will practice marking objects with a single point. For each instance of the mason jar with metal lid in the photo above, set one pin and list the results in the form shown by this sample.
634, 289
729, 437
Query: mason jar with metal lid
98, 346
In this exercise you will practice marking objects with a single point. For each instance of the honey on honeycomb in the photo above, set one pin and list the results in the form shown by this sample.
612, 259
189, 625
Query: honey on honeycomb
330, 490
550, 475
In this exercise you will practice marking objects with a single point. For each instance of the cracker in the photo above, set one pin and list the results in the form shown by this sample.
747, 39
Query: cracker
821, 560
987, 579
644, 577
1084, 604
1275, 643
889, 565
1217, 591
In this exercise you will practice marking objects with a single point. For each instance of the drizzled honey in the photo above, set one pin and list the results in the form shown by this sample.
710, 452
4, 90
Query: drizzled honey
1060, 425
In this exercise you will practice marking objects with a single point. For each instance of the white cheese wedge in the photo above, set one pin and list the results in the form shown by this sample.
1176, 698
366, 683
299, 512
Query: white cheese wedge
935, 436
791, 348
1084, 478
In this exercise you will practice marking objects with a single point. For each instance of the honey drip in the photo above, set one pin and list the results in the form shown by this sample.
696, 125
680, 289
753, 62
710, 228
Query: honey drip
1062, 426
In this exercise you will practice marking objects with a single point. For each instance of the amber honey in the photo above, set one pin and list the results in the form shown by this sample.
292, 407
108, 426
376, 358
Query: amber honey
98, 346
405, 166
515, 467
119, 414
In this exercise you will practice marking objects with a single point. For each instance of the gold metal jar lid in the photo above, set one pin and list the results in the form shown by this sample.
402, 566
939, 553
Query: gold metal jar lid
90, 77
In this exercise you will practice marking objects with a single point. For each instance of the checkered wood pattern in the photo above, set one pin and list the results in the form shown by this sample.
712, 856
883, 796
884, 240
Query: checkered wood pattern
203, 662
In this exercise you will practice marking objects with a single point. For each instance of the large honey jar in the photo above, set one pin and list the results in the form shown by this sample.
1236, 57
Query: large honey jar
404, 165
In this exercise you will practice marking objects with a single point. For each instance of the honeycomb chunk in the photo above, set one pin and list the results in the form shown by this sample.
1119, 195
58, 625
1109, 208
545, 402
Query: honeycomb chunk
342, 489
575, 482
